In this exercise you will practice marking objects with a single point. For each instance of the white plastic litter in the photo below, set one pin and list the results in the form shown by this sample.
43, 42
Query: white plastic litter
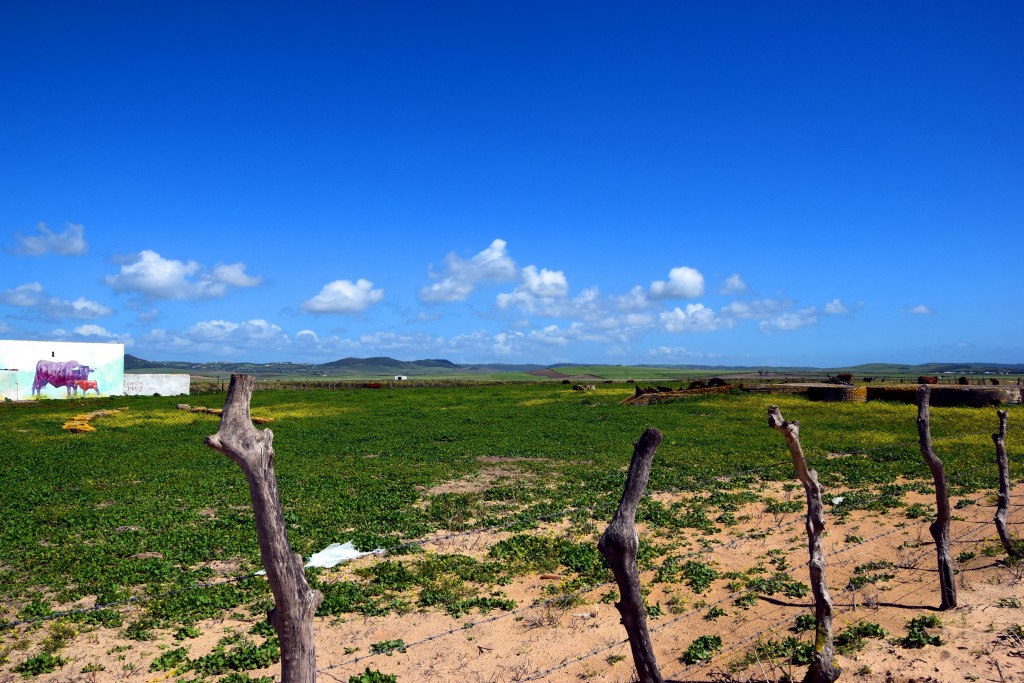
837, 500
338, 552
334, 554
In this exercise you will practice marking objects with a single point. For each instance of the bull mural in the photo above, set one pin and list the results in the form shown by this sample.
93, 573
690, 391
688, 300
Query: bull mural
58, 369
85, 385
59, 374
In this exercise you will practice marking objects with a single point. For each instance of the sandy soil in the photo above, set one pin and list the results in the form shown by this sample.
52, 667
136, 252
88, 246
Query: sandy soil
586, 642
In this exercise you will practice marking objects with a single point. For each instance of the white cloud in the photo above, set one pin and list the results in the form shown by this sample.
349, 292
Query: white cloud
678, 353
505, 343
234, 274
23, 295
634, 300
544, 283
683, 283
541, 289
93, 331
218, 339
788, 321
460, 276
153, 277
758, 309
246, 332
71, 242
79, 308
390, 341
734, 284
31, 295
920, 309
343, 296
835, 307
695, 318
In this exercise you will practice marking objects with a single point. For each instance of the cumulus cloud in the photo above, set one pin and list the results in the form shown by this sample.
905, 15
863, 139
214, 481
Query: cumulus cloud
734, 284
343, 296
835, 307
774, 315
683, 283
460, 276
758, 309
71, 242
920, 309
663, 353
32, 295
23, 295
79, 308
390, 341
93, 331
151, 276
634, 300
538, 290
695, 318
234, 274
790, 320
250, 331
219, 338
549, 283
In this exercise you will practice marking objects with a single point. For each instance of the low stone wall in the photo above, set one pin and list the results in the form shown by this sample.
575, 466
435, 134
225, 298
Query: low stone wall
838, 393
948, 396
147, 385
658, 396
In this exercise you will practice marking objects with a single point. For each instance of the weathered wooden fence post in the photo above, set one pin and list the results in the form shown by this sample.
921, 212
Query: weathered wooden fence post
822, 668
940, 527
619, 544
1003, 509
295, 603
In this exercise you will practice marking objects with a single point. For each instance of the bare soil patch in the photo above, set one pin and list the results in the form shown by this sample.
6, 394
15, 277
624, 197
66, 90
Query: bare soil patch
559, 633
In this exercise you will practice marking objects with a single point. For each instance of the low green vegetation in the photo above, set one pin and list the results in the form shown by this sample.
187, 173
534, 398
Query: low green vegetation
851, 639
142, 507
917, 632
703, 649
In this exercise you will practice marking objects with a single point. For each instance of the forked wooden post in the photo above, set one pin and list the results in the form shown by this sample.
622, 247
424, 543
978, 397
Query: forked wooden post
295, 603
619, 544
822, 668
940, 527
1003, 509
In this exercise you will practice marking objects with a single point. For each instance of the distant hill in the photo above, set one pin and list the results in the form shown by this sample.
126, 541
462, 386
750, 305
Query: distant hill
383, 366
355, 367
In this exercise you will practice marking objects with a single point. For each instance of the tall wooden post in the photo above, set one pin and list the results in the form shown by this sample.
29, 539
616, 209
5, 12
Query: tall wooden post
940, 527
822, 668
1003, 508
619, 544
295, 602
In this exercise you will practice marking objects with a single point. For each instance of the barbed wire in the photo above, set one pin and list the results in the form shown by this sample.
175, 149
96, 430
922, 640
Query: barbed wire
523, 520
567, 597
591, 510
733, 596
426, 540
685, 615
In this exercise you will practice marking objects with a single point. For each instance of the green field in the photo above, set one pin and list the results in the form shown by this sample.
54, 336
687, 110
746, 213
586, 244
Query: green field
142, 506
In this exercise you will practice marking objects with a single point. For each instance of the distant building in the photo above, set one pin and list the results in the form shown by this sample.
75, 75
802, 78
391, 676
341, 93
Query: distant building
401, 378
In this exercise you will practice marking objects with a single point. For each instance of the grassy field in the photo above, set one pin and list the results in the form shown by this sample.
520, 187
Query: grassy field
142, 506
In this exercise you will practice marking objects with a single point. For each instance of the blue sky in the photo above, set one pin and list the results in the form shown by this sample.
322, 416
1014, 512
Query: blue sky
783, 183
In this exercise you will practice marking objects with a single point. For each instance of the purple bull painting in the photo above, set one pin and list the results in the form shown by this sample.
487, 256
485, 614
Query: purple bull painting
59, 374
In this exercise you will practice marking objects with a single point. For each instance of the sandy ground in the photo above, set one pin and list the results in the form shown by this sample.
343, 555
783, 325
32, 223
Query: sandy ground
586, 642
